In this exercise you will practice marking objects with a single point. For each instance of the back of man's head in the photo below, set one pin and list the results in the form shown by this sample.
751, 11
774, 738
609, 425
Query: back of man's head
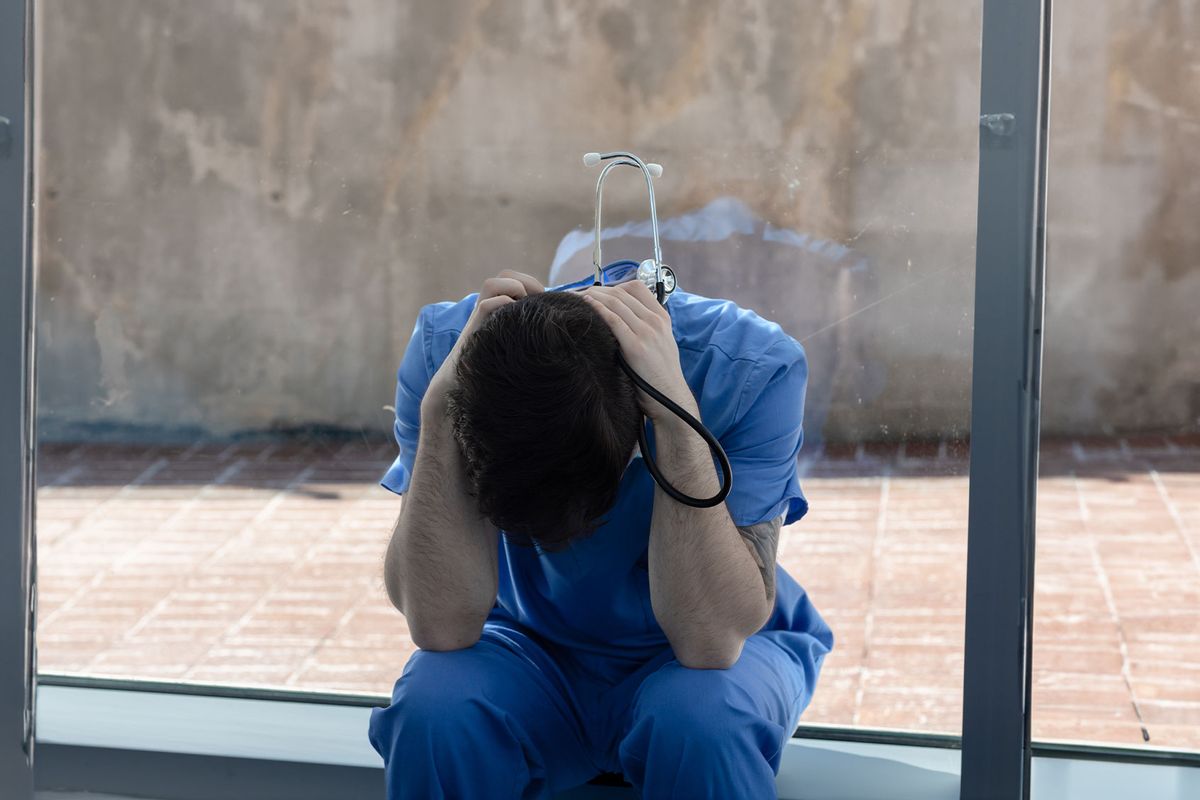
545, 418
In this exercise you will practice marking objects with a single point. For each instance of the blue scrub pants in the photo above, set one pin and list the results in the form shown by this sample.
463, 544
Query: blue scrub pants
515, 717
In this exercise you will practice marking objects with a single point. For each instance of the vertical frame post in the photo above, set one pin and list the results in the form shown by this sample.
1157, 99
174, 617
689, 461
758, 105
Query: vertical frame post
17, 572
1005, 396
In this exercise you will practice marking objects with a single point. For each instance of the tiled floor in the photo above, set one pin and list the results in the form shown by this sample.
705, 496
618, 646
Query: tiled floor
260, 564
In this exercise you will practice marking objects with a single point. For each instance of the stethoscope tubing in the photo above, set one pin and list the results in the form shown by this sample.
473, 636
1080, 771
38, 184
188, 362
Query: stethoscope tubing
698, 427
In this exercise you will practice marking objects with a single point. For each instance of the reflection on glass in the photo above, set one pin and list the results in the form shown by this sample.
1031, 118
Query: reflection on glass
1117, 604
229, 273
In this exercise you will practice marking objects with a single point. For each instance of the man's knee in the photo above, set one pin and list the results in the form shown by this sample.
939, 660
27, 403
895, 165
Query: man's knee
437, 696
690, 699
703, 712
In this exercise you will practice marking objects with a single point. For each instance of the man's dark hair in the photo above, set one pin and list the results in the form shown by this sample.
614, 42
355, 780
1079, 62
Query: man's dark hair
545, 418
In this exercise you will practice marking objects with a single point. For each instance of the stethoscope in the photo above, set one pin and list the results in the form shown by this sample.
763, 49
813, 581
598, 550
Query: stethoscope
660, 279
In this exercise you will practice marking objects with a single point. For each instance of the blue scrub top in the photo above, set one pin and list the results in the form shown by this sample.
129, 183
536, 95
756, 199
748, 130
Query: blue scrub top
593, 599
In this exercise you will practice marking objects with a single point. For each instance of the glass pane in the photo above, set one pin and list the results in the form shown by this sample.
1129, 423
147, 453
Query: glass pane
244, 206
1117, 632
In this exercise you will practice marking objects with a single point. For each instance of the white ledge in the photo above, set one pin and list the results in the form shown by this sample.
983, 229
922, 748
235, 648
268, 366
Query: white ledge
336, 735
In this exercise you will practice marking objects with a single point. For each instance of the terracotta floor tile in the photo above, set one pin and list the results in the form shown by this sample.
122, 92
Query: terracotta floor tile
260, 563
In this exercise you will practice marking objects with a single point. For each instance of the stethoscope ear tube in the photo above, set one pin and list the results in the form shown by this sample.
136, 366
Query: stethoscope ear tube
660, 277
661, 280
698, 427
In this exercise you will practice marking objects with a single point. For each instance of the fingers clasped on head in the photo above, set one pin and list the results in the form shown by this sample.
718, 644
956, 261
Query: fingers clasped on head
629, 307
510, 284
506, 287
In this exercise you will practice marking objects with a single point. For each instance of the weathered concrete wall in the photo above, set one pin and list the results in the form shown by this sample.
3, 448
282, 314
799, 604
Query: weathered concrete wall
243, 204
1123, 311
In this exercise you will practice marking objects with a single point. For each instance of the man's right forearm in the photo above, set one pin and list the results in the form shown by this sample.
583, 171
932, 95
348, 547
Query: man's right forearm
440, 569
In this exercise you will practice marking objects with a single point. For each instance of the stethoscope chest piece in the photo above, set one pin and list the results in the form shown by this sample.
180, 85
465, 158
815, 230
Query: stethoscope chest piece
650, 272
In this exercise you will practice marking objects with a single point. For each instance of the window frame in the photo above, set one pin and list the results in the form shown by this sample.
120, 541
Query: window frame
1010, 279
17, 384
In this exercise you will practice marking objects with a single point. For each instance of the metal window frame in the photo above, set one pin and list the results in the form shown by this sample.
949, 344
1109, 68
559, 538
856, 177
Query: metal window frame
17, 591
1005, 395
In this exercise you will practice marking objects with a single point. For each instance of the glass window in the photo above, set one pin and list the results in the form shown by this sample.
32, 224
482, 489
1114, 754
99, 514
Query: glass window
1117, 629
243, 207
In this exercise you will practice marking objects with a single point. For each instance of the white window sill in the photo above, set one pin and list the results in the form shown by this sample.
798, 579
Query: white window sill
336, 735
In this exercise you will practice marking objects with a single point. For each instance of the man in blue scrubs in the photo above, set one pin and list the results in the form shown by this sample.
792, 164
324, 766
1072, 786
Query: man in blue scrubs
571, 617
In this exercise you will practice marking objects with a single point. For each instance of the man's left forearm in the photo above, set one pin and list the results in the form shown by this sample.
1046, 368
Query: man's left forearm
705, 586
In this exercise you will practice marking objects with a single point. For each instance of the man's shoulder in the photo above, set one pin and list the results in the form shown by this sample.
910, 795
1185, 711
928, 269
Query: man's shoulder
720, 331
729, 355
722, 347
699, 323
448, 315
441, 324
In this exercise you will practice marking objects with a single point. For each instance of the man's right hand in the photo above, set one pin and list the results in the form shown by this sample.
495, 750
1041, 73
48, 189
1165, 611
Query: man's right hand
507, 287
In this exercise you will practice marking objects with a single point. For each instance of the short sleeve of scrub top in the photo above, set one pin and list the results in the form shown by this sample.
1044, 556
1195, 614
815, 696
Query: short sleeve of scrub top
412, 379
764, 442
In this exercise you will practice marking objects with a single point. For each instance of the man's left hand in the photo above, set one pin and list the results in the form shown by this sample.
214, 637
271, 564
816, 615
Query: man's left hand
643, 330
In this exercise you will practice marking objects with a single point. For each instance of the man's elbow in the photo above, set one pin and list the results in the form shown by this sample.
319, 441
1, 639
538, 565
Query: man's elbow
433, 629
442, 638
719, 650
711, 654
764, 615
391, 583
